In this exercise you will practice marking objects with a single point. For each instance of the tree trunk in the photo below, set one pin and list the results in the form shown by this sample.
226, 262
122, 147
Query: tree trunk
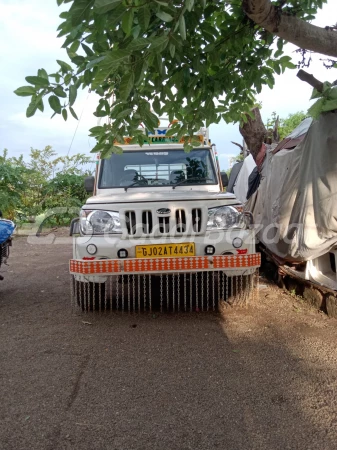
291, 28
254, 133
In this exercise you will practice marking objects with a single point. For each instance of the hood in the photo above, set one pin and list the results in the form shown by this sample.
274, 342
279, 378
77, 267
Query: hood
171, 195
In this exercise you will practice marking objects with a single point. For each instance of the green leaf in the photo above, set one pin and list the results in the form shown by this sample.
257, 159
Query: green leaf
114, 58
144, 16
37, 81
173, 130
25, 91
94, 62
182, 27
64, 66
172, 49
156, 106
164, 16
188, 147
126, 112
140, 139
159, 43
42, 73
127, 21
116, 17
87, 50
140, 69
189, 4
103, 6
106, 153
55, 104
64, 114
72, 94
150, 120
79, 11
88, 76
60, 92
40, 105
96, 131
31, 110
72, 112
138, 44
74, 47
126, 85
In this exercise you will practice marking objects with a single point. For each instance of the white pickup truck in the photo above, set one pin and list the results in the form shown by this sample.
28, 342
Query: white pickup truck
159, 232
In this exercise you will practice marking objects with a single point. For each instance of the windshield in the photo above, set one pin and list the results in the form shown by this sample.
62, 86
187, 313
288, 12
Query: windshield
165, 167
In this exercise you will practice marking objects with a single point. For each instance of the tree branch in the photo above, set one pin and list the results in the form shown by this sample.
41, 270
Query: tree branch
308, 78
292, 29
239, 145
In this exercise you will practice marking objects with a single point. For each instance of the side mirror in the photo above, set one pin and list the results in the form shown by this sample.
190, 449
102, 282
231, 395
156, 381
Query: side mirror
224, 179
89, 184
75, 227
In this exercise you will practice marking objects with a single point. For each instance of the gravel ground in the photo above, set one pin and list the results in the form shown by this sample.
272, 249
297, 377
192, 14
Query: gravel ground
264, 377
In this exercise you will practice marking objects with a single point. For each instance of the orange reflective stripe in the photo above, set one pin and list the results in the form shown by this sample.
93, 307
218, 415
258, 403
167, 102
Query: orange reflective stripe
192, 263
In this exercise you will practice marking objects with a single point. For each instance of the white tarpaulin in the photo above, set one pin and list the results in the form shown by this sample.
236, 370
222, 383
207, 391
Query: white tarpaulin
241, 184
296, 203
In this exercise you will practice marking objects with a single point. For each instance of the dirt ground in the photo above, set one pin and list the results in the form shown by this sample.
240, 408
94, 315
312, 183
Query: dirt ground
264, 377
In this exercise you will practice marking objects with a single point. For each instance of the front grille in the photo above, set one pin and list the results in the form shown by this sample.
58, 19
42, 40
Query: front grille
130, 220
148, 222
196, 220
180, 221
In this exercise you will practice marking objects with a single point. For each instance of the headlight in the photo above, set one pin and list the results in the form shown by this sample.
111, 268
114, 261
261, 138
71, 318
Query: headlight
225, 217
100, 222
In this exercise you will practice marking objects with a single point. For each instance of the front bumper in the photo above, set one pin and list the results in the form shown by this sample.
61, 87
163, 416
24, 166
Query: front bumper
222, 241
228, 259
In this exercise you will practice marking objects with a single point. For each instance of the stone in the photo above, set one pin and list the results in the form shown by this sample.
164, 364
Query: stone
314, 297
331, 306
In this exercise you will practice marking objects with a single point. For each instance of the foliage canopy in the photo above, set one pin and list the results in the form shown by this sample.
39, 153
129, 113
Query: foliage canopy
192, 60
45, 181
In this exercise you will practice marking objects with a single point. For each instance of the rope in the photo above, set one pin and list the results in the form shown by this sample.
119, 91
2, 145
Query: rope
78, 123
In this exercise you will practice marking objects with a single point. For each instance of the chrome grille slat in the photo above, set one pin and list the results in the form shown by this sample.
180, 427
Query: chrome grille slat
180, 221
147, 222
130, 221
196, 220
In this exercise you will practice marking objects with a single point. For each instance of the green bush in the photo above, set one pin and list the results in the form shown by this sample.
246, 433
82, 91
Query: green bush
29, 189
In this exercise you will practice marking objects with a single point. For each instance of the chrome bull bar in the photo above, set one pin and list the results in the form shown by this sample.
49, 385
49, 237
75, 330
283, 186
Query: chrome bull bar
164, 284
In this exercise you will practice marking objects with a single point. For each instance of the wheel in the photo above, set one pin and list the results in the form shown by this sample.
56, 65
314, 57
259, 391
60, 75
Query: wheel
90, 296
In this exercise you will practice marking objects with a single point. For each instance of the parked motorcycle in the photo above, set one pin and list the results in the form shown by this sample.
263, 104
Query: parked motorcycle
7, 228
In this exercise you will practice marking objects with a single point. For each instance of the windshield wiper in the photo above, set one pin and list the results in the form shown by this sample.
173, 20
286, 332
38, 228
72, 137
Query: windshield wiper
134, 184
191, 179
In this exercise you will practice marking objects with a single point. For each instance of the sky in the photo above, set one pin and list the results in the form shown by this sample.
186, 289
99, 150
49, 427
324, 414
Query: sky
28, 42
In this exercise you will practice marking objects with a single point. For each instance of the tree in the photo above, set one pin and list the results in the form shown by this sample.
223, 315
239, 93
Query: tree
30, 187
193, 60
12, 185
286, 125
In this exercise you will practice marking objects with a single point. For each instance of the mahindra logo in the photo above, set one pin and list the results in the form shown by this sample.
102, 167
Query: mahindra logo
163, 211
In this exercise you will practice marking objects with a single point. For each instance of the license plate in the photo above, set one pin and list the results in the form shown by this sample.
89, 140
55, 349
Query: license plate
165, 250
